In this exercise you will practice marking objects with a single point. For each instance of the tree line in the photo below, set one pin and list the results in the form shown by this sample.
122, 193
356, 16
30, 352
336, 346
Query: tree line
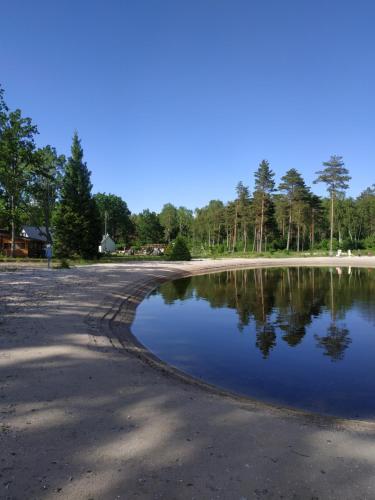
40, 187
286, 216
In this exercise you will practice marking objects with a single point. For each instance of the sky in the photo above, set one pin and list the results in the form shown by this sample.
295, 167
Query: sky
176, 101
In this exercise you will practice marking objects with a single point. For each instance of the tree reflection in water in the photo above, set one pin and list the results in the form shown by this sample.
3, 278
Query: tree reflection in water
335, 342
337, 338
283, 301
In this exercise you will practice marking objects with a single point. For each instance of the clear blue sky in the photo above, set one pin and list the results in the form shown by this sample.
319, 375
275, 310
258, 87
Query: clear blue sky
176, 101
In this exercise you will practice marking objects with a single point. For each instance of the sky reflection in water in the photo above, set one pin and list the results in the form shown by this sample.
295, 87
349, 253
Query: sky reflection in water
302, 337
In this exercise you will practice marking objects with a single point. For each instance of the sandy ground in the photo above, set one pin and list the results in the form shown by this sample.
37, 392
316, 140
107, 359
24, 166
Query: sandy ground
81, 417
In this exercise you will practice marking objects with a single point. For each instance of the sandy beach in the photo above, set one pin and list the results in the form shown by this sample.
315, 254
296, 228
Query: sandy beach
85, 413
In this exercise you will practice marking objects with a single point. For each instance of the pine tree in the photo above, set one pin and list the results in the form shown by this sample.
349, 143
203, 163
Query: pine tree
179, 250
336, 177
77, 222
296, 193
242, 214
264, 186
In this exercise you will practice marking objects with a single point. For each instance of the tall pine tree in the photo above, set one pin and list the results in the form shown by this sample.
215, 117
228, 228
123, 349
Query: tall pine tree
336, 177
77, 221
296, 192
263, 205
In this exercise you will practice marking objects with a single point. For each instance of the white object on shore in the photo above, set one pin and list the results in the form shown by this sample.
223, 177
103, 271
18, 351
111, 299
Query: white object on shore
107, 245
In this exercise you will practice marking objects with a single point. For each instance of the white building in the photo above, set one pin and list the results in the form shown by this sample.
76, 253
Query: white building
107, 245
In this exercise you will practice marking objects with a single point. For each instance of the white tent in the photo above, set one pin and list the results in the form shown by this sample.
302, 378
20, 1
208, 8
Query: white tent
107, 245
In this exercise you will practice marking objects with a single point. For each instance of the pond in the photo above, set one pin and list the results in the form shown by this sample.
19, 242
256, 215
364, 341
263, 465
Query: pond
298, 337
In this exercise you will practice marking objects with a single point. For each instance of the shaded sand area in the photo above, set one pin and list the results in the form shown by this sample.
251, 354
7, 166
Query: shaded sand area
82, 416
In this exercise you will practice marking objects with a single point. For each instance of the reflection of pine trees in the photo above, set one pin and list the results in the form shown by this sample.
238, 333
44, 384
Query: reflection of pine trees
176, 290
335, 342
265, 339
181, 287
284, 299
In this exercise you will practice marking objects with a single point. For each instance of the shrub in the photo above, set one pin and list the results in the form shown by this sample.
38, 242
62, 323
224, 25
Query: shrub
178, 251
63, 264
369, 242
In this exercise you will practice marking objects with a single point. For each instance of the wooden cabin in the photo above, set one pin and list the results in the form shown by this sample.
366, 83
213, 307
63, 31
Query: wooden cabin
25, 246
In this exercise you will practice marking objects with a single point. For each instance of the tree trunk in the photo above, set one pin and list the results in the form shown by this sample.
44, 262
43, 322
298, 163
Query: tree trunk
289, 227
331, 236
255, 238
312, 230
235, 231
261, 226
298, 236
13, 229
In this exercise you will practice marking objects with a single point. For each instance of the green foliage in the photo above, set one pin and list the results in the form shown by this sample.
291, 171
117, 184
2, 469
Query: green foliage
148, 228
63, 264
16, 163
264, 210
77, 220
35, 190
185, 221
169, 220
336, 177
368, 242
114, 214
179, 250
45, 187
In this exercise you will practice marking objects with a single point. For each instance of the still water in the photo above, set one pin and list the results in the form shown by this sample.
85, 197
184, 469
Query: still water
301, 337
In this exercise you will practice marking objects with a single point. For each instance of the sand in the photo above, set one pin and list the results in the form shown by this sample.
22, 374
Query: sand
85, 416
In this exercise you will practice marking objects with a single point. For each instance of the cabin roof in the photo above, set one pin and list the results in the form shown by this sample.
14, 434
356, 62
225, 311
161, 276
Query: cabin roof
34, 233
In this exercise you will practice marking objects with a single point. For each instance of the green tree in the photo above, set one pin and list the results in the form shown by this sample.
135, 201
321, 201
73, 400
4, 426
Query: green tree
115, 217
263, 206
185, 221
242, 215
169, 220
148, 228
45, 187
316, 217
365, 204
179, 250
294, 188
16, 163
77, 220
336, 177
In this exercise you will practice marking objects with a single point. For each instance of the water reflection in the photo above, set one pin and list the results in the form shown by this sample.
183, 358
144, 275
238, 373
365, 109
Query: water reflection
297, 336
284, 299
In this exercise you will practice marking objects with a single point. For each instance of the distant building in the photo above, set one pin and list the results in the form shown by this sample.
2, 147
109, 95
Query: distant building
30, 243
107, 245
34, 233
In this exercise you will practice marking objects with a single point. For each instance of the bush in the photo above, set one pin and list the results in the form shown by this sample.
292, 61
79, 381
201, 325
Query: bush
217, 249
276, 244
324, 244
178, 251
369, 242
63, 264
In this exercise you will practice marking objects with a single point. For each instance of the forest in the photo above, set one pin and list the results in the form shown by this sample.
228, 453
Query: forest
40, 187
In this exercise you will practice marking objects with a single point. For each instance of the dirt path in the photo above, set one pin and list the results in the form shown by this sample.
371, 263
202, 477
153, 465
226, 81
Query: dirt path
81, 419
